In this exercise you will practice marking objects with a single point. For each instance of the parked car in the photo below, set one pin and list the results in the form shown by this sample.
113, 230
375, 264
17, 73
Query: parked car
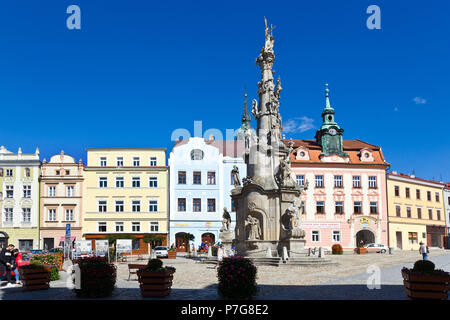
161, 252
376, 247
56, 250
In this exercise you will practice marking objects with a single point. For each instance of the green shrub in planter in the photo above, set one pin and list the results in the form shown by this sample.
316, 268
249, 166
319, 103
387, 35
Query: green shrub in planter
98, 277
237, 278
50, 261
423, 266
337, 249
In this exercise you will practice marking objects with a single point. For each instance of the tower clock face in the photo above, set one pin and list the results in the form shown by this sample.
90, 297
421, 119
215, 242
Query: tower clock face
332, 131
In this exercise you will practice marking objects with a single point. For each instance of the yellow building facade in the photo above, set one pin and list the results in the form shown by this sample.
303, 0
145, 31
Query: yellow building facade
126, 191
415, 212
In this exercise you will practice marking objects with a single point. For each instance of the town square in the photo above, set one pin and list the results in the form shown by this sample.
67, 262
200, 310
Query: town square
200, 156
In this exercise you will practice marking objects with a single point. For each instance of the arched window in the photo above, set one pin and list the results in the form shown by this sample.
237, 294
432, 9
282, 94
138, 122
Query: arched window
27, 172
196, 154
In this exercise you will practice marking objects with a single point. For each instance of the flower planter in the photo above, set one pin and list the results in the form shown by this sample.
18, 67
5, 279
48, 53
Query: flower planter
172, 254
155, 284
361, 250
35, 279
422, 286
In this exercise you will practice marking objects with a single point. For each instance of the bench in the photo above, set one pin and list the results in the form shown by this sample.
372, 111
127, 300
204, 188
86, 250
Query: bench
133, 268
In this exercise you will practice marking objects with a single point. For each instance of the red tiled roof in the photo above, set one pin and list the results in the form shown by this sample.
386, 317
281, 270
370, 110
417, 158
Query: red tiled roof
418, 179
352, 147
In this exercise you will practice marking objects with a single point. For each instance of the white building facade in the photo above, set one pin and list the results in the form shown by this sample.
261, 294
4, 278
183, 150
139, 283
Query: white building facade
19, 199
200, 187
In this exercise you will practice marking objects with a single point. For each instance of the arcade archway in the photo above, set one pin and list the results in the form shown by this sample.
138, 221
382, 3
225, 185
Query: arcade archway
366, 236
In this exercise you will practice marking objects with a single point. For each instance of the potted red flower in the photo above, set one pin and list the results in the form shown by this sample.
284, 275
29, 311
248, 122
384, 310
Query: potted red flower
423, 281
155, 280
237, 278
98, 277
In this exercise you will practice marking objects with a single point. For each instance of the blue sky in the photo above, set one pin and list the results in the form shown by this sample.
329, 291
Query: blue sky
137, 70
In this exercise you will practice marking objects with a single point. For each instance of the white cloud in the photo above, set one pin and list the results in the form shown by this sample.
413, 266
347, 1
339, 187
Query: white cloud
300, 124
419, 100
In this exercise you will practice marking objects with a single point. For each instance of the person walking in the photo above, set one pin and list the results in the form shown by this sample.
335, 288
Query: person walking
5, 264
15, 264
423, 250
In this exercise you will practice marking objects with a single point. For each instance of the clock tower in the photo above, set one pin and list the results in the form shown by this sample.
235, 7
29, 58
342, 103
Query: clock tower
329, 136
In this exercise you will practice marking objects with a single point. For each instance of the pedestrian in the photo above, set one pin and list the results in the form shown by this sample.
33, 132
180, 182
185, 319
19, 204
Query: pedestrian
423, 250
5, 264
361, 243
15, 264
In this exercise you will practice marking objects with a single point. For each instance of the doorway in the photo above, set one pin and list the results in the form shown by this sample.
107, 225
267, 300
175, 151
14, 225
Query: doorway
364, 237
49, 243
209, 238
180, 243
398, 236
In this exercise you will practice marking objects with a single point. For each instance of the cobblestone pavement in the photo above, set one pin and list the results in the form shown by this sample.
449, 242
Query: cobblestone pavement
197, 281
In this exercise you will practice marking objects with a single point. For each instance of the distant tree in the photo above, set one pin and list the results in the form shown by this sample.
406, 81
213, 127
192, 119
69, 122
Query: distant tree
188, 237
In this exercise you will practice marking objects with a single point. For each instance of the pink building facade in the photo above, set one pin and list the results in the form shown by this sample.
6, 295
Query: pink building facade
346, 200
61, 187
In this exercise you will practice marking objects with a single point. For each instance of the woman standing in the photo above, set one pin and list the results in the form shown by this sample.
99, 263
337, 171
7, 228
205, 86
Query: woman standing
15, 264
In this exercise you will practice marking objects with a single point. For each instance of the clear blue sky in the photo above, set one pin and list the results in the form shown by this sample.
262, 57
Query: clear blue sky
137, 70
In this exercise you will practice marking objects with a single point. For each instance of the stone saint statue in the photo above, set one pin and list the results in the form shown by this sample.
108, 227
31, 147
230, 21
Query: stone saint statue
293, 215
226, 220
236, 178
255, 229
256, 114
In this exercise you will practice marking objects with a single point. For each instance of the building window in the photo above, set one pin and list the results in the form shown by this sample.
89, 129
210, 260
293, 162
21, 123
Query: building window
119, 161
136, 206
26, 214
196, 154
70, 191
10, 191
153, 182
9, 172
300, 180
27, 191
196, 205
418, 194
27, 172
438, 214
182, 204
181, 177
103, 162
119, 206
101, 227
119, 226
374, 207
338, 181
154, 226
407, 193
412, 237
397, 191
69, 214
136, 182
52, 191
57, 172
339, 207
67, 172
320, 207
119, 182
315, 236
398, 211
152, 161
51, 214
408, 212
8, 214
437, 196
357, 209
372, 182
103, 182
319, 181
419, 213
136, 227
336, 235
153, 206
429, 195
211, 205
197, 175
211, 177
102, 206
136, 162
135, 244
430, 214
356, 181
